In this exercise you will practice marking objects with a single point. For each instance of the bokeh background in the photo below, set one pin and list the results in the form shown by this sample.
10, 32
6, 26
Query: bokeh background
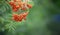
43, 19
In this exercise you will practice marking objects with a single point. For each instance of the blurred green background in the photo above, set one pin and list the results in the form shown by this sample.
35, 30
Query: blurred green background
40, 20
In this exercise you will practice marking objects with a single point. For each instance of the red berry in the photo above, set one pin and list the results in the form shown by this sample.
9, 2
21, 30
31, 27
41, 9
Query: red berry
20, 17
25, 14
17, 6
11, 3
15, 17
14, 9
29, 5
24, 8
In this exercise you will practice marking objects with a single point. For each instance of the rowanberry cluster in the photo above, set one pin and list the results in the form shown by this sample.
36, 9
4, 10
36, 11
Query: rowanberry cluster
20, 17
19, 4
22, 5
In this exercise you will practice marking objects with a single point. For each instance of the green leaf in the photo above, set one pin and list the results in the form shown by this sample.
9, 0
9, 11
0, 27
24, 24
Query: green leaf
31, 2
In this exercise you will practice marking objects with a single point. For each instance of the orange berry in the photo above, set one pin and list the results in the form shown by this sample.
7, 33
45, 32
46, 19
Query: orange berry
20, 17
14, 5
14, 9
20, 4
29, 5
24, 8
25, 14
17, 6
15, 17
11, 3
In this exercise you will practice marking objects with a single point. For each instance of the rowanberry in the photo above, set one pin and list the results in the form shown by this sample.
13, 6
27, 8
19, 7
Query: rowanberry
29, 5
15, 17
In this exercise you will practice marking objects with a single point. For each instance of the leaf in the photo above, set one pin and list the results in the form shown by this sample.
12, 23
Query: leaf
31, 2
